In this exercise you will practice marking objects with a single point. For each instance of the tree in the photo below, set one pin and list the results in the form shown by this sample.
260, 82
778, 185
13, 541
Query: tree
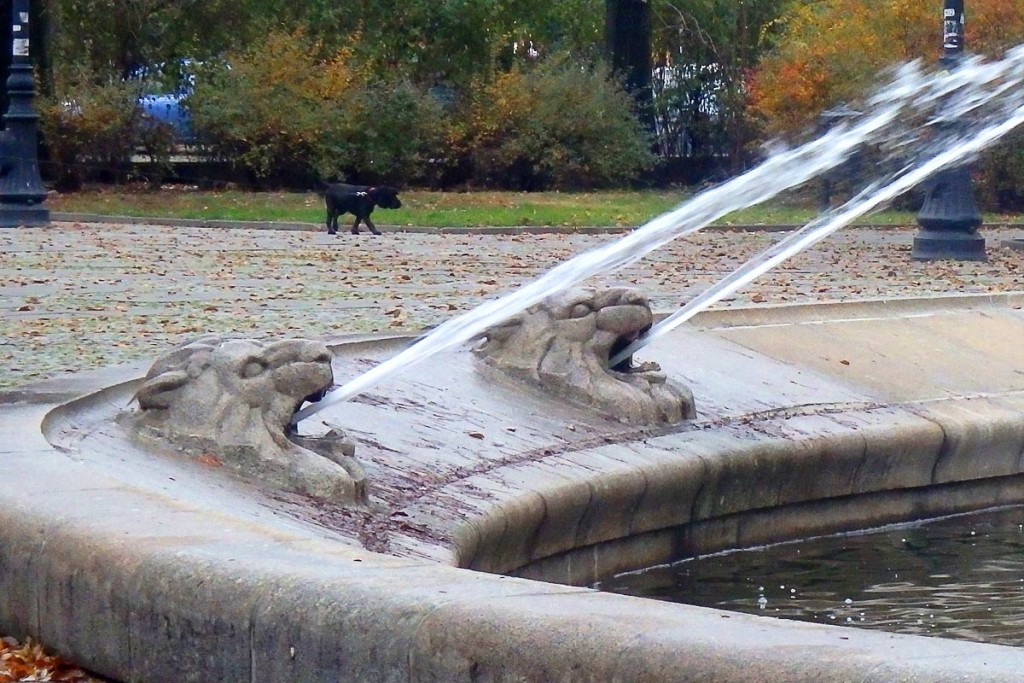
833, 50
442, 41
117, 37
704, 50
628, 41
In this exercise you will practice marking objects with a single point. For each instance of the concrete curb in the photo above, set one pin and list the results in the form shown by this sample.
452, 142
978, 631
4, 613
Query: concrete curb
316, 227
64, 217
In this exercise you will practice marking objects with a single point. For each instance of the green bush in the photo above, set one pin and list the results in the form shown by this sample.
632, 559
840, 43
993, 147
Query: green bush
556, 124
268, 109
1000, 176
388, 131
91, 130
286, 116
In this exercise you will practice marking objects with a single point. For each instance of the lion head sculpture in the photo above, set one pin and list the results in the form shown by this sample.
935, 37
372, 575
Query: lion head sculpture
234, 399
564, 344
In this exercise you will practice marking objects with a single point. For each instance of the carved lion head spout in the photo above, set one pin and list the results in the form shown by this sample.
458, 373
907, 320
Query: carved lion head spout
564, 345
234, 399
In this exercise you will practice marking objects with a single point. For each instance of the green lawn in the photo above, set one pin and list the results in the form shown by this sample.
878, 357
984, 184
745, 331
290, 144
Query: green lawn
432, 209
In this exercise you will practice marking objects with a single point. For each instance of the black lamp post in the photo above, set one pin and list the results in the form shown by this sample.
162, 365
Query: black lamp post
21, 188
949, 218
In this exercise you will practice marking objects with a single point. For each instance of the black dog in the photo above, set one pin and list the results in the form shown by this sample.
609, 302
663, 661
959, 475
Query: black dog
360, 201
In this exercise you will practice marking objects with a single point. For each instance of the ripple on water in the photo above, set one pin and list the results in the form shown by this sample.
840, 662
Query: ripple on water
958, 577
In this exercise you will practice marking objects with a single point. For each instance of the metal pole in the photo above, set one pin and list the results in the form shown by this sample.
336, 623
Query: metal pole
952, 31
949, 218
21, 188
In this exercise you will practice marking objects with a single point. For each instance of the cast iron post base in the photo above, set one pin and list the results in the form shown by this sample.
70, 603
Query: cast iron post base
949, 220
22, 216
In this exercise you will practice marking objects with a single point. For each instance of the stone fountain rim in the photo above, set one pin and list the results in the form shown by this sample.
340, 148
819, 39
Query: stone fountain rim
88, 581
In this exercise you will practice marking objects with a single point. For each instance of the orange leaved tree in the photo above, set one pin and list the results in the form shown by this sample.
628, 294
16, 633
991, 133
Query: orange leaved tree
833, 51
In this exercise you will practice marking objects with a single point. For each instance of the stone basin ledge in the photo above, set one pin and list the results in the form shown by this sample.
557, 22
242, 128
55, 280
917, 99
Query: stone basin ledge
145, 569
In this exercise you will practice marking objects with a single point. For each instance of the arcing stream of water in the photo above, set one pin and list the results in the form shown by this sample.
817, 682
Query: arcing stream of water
943, 153
987, 91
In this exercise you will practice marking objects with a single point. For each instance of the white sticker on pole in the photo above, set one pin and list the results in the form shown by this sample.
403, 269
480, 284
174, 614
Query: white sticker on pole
20, 47
24, 17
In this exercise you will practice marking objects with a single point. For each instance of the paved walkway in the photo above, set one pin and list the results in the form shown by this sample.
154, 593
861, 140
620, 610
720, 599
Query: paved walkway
83, 295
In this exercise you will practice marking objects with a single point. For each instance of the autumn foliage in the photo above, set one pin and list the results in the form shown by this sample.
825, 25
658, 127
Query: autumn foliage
281, 110
833, 50
556, 124
29, 662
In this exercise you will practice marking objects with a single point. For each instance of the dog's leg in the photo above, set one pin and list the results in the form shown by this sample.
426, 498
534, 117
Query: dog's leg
373, 228
355, 226
332, 223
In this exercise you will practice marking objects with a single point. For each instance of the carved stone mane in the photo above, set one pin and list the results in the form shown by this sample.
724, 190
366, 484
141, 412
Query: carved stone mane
234, 400
564, 344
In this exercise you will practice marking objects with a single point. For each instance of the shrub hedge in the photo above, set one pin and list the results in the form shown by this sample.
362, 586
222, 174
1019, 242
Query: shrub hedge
284, 115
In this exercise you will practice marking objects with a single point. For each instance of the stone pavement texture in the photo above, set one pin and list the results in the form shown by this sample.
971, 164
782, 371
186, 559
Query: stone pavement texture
77, 296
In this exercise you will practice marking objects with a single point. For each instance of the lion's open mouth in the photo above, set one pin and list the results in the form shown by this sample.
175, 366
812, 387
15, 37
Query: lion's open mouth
626, 365
318, 395
315, 396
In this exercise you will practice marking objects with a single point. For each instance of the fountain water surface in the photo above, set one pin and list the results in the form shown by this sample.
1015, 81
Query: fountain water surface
956, 577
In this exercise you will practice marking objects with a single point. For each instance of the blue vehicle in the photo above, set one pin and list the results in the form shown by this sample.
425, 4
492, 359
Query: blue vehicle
166, 104
168, 108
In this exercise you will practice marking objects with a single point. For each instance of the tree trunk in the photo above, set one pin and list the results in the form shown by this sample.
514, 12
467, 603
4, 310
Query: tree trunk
628, 43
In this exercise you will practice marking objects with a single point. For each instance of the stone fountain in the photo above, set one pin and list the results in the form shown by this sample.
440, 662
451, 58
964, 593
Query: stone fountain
167, 523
